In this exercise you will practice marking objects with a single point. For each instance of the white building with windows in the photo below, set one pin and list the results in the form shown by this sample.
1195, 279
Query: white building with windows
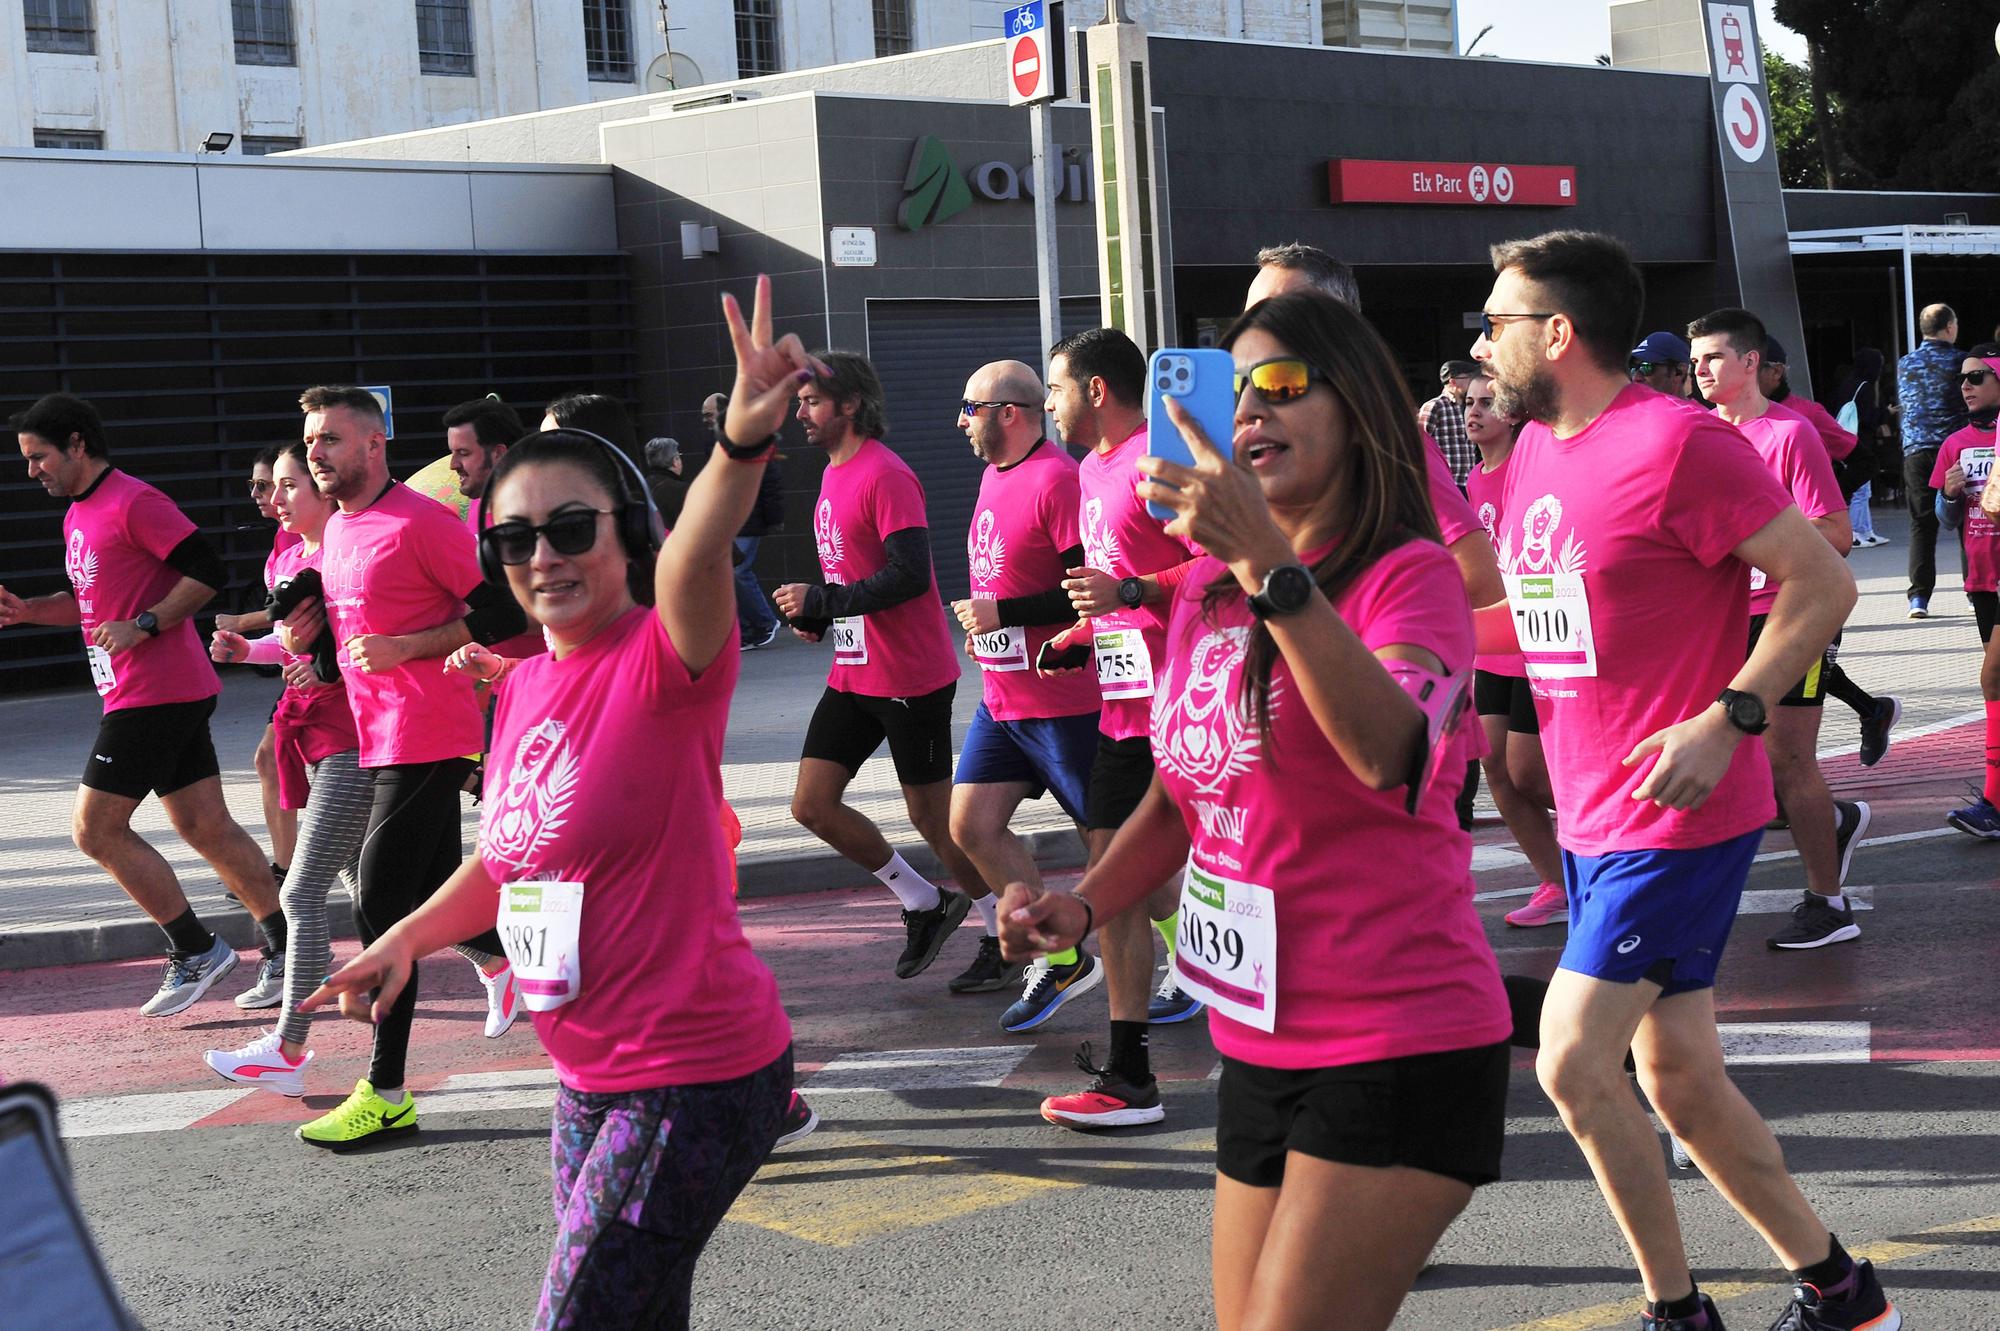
167, 75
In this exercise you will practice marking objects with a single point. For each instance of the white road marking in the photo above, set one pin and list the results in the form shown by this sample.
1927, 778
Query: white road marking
167, 1111
1498, 857
468, 1092
1901, 736
917, 1069
1779, 901
1794, 1041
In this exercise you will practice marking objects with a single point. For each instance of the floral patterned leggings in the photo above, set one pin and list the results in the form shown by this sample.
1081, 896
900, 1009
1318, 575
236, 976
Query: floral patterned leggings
642, 1178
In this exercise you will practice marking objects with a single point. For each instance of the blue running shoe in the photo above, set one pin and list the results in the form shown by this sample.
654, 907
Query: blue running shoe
1978, 818
1169, 1004
1048, 987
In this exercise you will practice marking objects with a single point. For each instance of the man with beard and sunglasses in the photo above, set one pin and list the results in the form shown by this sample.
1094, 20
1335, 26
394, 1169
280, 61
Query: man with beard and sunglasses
1629, 524
1964, 465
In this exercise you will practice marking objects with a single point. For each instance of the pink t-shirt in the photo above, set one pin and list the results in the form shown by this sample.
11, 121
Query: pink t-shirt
1793, 453
116, 540
907, 650
1838, 442
1026, 517
283, 541
308, 724
1644, 506
1455, 516
1982, 539
1122, 539
402, 565
528, 642
669, 992
1379, 950
1482, 491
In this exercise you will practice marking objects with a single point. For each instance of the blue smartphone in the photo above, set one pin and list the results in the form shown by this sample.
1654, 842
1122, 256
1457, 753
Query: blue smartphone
1204, 379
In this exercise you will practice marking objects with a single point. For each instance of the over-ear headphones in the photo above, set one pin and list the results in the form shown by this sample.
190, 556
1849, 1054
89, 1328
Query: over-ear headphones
641, 530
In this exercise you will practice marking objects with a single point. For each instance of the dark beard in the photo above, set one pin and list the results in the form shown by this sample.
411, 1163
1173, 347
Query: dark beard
1535, 400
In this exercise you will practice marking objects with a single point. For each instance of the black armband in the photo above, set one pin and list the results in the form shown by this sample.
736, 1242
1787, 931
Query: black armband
493, 615
196, 558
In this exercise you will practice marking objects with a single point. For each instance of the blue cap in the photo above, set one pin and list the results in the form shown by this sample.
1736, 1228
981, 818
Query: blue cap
1662, 348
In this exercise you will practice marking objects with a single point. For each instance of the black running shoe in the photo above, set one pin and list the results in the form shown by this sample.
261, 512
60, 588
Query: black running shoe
1875, 728
800, 1120
1706, 1319
1850, 824
1814, 924
928, 929
988, 972
1856, 1304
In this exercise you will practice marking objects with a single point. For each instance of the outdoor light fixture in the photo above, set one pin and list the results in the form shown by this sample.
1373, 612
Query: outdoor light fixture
697, 240
217, 142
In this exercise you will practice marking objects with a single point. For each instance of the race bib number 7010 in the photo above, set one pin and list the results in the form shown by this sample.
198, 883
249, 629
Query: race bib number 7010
1552, 623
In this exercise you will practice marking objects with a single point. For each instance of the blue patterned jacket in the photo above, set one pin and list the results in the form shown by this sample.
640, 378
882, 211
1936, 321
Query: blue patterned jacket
1927, 386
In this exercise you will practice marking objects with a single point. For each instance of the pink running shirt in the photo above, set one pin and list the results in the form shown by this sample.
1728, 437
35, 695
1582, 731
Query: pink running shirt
1122, 539
116, 540
307, 724
1838, 442
1793, 454
1482, 492
1455, 517
1982, 538
1024, 520
1644, 506
402, 565
907, 650
283, 541
1379, 950
606, 769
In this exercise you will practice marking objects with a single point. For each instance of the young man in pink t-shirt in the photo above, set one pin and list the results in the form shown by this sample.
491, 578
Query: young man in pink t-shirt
895, 666
1033, 734
138, 570
1630, 520
1964, 465
1726, 346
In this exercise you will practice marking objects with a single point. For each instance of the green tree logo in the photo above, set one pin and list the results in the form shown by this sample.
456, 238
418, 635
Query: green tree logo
933, 189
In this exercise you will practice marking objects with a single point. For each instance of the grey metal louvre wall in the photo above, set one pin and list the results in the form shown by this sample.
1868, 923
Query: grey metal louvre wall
924, 351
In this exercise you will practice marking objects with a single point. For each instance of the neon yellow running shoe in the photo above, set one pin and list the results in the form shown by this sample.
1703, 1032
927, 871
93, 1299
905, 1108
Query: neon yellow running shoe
360, 1118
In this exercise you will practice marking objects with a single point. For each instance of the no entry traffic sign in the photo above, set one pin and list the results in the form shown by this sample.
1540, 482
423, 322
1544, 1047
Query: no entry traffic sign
1027, 46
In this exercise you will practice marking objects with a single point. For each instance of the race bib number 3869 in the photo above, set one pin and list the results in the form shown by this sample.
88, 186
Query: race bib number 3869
1227, 947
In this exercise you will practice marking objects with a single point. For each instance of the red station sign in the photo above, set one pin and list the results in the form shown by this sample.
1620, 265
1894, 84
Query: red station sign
1455, 184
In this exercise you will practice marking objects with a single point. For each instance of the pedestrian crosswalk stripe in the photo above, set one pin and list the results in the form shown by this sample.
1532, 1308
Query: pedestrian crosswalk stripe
1779, 901
167, 1111
917, 1069
469, 1092
1795, 1041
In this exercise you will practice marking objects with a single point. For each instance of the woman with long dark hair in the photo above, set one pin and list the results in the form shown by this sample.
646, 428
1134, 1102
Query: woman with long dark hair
1326, 911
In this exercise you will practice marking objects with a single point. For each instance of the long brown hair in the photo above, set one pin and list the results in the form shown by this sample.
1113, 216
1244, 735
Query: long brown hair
1386, 475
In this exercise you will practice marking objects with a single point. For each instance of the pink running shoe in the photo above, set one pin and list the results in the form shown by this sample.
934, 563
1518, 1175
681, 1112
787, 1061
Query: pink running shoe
1549, 905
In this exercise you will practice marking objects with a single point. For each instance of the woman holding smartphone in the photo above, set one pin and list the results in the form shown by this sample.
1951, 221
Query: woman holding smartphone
1354, 998
673, 1053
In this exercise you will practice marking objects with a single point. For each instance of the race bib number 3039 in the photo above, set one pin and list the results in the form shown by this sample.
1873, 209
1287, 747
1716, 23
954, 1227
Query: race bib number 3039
538, 925
1227, 948
1552, 623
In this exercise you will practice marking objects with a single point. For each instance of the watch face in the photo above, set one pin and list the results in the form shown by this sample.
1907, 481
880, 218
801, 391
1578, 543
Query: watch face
1289, 588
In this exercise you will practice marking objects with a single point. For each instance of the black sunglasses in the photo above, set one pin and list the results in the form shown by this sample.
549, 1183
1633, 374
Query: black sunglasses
1486, 321
570, 532
1974, 377
968, 407
1647, 367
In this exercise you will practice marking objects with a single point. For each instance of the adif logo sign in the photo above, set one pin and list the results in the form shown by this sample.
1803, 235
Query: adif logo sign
934, 189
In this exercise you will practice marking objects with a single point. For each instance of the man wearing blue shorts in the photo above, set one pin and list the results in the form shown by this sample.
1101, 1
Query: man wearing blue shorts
1033, 733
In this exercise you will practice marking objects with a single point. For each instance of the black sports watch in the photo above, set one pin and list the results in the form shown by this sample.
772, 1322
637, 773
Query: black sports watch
1131, 593
1745, 711
1287, 589
147, 623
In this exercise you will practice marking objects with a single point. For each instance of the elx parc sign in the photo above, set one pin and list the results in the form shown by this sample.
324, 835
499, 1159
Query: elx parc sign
1462, 184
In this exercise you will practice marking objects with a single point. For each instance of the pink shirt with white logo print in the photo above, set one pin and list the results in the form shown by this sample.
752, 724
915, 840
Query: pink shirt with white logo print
606, 770
115, 546
1482, 492
910, 649
1793, 454
1456, 519
1026, 517
1645, 505
1380, 951
1982, 538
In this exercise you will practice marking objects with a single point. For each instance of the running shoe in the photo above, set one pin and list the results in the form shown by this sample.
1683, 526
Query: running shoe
1682, 1160
1875, 728
800, 1120
927, 931
189, 976
753, 641
988, 973
1979, 819
1171, 1003
1111, 1101
1850, 824
269, 991
359, 1119
1919, 608
1856, 1304
1815, 924
262, 1063
503, 1000
1549, 905
1046, 988
1707, 1319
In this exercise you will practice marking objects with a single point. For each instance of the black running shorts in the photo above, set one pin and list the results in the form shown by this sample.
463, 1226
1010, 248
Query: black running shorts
1506, 695
1441, 1113
847, 728
1810, 691
152, 750
1119, 778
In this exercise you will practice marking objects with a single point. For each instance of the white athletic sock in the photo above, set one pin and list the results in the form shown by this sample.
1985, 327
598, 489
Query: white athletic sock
394, 1097
989, 913
1838, 900
915, 891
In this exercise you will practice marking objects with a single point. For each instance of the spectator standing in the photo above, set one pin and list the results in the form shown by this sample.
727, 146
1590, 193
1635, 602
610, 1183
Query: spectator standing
663, 479
1858, 407
1443, 419
1927, 389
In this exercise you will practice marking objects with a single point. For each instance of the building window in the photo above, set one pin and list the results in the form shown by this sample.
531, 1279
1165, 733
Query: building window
893, 27
757, 38
81, 139
263, 32
607, 40
59, 25
257, 145
444, 36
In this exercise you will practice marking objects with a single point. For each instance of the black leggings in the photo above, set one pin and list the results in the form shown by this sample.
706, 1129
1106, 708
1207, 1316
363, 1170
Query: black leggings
411, 847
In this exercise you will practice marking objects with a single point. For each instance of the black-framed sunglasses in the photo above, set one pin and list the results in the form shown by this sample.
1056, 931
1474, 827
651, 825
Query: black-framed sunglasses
1486, 321
1280, 380
1974, 377
1645, 368
262, 488
571, 532
968, 407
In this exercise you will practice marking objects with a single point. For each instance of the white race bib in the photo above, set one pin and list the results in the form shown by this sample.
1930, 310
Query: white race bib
538, 926
850, 641
1758, 578
1226, 952
1001, 650
101, 673
1977, 463
1124, 668
1552, 622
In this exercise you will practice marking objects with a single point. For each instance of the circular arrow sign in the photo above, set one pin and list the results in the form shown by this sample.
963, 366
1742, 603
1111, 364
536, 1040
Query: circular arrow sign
1744, 123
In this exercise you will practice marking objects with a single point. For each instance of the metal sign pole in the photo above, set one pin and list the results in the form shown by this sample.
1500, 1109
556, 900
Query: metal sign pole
1048, 273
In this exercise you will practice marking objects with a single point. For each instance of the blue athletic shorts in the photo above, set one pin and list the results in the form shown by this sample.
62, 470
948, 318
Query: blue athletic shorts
1659, 915
1050, 754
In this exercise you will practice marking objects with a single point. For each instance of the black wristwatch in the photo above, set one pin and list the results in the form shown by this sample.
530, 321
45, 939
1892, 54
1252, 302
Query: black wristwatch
1287, 589
147, 623
1131, 593
1745, 711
